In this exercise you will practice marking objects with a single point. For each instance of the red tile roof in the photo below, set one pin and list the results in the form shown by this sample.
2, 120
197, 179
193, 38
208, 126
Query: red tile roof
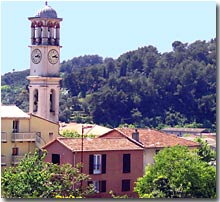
153, 138
99, 144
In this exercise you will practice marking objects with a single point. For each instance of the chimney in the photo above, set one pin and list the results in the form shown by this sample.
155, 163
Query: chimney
135, 135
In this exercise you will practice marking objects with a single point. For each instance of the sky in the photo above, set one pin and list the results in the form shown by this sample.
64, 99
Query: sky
106, 28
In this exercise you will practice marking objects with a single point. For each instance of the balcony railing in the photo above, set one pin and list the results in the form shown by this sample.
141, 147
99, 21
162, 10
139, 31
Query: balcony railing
3, 160
4, 137
15, 159
21, 137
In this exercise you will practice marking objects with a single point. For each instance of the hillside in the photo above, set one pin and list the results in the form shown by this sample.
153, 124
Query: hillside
142, 87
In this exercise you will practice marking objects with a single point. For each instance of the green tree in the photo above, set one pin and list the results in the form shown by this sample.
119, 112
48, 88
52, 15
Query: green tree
75, 134
34, 178
205, 151
177, 173
70, 133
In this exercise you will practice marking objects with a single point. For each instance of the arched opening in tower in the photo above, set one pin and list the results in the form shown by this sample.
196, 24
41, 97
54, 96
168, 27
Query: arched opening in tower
35, 105
52, 100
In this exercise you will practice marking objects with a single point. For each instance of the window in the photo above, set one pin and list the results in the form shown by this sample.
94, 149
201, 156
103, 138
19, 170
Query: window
125, 185
97, 164
51, 135
15, 126
56, 159
15, 151
126, 163
96, 185
100, 186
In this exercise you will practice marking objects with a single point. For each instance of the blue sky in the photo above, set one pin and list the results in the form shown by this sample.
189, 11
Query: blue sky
106, 28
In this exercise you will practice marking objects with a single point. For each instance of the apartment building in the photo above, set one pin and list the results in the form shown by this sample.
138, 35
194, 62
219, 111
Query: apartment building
22, 133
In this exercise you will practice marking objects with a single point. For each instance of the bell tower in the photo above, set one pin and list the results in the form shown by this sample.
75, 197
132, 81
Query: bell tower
44, 80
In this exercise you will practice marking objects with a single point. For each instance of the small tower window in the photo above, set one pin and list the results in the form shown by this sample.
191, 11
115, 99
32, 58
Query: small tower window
35, 100
52, 101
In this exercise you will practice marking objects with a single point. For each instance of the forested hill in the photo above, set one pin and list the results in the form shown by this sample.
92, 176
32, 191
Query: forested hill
142, 87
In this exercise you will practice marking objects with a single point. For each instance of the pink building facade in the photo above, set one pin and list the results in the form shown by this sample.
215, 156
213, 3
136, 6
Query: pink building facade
113, 164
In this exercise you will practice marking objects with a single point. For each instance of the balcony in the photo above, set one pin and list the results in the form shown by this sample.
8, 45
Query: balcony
23, 137
4, 137
15, 159
3, 160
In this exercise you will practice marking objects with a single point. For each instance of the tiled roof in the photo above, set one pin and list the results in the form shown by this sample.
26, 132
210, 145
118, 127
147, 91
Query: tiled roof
94, 130
192, 130
210, 141
153, 138
99, 144
12, 111
209, 135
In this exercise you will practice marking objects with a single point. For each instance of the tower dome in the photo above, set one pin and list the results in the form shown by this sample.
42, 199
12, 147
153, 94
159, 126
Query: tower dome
46, 12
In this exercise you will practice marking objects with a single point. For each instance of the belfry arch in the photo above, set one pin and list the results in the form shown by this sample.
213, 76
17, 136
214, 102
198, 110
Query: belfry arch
35, 100
52, 100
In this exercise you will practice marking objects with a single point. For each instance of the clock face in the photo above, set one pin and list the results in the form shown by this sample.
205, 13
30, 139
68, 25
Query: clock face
36, 56
53, 56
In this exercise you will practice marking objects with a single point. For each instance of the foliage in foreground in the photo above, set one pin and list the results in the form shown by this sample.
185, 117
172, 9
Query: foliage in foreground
117, 197
205, 151
177, 173
34, 178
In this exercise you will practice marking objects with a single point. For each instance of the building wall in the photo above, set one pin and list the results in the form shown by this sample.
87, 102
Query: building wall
45, 128
114, 167
23, 148
26, 125
6, 147
114, 171
66, 156
7, 125
148, 157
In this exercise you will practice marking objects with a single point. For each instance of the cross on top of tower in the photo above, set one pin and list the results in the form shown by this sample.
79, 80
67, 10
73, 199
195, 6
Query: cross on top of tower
45, 3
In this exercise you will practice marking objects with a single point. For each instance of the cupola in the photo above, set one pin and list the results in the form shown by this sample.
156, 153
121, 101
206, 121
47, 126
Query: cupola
46, 12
